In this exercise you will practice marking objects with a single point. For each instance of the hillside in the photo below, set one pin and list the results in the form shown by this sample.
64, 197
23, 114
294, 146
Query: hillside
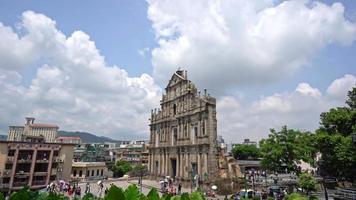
86, 137
3, 137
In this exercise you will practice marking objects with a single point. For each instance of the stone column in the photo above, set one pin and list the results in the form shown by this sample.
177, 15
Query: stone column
33, 163
187, 165
181, 165
199, 164
163, 163
178, 165
167, 165
159, 164
205, 162
149, 162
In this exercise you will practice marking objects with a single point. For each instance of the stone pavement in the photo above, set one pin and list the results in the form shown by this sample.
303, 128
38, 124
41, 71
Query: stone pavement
124, 183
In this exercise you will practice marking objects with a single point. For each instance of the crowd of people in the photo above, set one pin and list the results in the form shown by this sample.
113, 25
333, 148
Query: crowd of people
73, 190
167, 186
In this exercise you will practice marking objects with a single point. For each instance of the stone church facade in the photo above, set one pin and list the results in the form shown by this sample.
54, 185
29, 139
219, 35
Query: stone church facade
183, 133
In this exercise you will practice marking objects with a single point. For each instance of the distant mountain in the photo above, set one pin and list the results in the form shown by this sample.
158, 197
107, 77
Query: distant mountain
3, 137
86, 137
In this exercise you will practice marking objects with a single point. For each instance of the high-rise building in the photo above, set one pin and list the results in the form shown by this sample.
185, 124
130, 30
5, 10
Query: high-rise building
183, 133
20, 133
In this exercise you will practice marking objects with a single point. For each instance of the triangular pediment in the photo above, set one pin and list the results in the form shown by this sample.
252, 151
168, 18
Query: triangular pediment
176, 78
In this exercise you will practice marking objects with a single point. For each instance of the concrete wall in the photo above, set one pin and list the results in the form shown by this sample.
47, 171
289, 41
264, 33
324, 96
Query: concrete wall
66, 155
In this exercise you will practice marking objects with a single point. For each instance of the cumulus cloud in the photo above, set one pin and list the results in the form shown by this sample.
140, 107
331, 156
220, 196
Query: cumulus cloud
74, 86
339, 87
299, 109
228, 43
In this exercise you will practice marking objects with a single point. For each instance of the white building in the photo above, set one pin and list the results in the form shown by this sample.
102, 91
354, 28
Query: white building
19, 133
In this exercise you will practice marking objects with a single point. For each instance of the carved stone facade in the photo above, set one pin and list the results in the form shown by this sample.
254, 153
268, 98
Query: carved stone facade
183, 138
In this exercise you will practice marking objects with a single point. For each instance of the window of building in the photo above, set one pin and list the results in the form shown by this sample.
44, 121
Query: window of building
80, 173
97, 172
92, 172
102, 172
75, 173
174, 109
6, 180
11, 153
196, 131
88, 173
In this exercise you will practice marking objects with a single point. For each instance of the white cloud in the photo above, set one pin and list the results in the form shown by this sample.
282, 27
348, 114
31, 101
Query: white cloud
73, 87
225, 43
339, 87
238, 119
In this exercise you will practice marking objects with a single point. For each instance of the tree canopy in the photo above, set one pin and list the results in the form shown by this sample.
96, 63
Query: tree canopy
120, 168
283, 150
307, 182
245, 151
334, 141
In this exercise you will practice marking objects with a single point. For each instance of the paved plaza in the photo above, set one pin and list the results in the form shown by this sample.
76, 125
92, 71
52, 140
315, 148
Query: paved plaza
124, 183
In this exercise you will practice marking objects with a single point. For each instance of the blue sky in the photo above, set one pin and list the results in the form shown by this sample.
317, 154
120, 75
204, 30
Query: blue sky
121, 29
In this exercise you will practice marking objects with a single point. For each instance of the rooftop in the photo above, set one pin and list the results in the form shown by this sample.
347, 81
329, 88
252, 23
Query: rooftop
40, 125
88, 164
68, 138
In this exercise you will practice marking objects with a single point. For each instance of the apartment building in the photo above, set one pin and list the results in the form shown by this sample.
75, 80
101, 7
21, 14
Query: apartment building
33, 163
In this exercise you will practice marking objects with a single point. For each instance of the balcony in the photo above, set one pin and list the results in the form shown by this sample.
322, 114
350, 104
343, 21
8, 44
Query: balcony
40, 173
42, 160
10, 159
22, 174
7, 172
4, 185
24, 160
20, 184
38, 182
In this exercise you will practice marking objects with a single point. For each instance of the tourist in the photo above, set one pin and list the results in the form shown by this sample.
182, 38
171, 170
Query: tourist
101, 187
78, 192
179, 188
87, 188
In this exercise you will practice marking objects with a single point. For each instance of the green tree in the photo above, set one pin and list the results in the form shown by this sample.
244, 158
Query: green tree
307, 182
341, 120
139, 170
114, 193
245, 151
120, 168
286, 148
334, 140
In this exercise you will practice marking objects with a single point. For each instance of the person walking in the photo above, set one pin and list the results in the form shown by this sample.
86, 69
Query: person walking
87, 188
179, 188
